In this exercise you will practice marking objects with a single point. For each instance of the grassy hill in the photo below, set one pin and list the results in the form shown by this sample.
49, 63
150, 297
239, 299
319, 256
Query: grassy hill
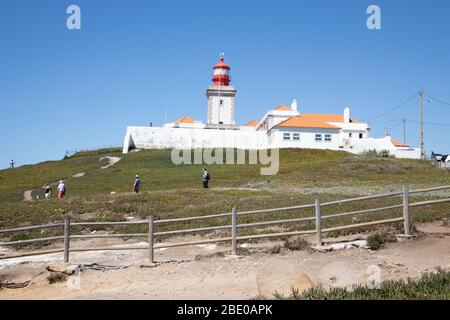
175, 190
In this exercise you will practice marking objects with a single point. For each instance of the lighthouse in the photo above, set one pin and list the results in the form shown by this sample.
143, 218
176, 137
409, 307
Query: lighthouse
221, 98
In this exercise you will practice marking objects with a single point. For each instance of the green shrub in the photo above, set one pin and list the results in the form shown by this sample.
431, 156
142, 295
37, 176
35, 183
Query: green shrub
377, 154
430, 286
376, 241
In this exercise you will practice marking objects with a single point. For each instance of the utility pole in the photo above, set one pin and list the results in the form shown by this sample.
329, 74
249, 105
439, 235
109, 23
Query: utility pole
422, 148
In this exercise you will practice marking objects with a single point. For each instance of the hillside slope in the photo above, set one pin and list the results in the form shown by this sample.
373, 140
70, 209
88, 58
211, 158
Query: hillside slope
176, 189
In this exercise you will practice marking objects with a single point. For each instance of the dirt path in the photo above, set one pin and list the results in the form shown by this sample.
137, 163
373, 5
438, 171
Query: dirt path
112, 161
27, 195
208, 272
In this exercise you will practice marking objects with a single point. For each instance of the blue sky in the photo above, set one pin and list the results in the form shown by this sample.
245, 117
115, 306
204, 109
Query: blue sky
135, 62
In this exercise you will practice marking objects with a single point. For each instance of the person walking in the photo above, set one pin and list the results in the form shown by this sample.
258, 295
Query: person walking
47, 191
61, 189
137, 184
12, 164
206, 178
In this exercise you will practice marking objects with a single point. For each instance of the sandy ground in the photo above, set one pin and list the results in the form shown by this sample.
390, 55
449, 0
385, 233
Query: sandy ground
112, 161
27, 195
209, 272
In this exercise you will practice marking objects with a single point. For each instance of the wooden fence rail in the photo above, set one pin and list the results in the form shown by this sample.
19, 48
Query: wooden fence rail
234, 227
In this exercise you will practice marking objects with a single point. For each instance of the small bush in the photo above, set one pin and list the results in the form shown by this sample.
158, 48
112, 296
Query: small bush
275, 249
56, 277
376, 241
296, 244
377, 154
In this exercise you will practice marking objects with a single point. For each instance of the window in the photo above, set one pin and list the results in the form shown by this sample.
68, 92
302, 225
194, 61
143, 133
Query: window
286, 136
360, 135
328, 137
296, 136
350, 134
318, 137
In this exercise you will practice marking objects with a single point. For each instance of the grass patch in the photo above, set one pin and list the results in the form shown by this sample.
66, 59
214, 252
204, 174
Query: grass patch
171, 191
377, 241
434, 285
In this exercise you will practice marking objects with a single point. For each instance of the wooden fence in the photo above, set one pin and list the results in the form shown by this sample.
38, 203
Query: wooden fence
234, 226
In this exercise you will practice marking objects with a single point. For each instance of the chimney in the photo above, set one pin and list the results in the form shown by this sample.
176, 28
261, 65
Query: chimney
347, 115
294, 105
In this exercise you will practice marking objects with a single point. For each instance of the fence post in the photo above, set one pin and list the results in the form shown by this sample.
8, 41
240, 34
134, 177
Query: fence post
150, 239
234, 231
318, 223
66, 239
406, 209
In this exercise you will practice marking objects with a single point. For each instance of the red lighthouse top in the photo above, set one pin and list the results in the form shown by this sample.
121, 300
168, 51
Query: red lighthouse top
221, 73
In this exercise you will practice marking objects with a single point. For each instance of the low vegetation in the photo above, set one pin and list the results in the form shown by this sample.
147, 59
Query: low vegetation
377, 241
295, 243
375, 153
170, 190
433, 285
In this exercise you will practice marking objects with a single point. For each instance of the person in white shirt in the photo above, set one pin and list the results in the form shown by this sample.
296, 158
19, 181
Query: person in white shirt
61, 189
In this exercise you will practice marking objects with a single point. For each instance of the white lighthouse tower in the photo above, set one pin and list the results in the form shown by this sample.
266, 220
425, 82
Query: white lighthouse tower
221, 98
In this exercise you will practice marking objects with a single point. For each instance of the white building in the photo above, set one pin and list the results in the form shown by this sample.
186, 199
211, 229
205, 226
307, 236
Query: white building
281, 127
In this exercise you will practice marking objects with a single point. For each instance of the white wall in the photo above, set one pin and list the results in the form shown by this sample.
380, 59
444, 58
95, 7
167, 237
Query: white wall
184, 138
380, 144
224, 112
307, 138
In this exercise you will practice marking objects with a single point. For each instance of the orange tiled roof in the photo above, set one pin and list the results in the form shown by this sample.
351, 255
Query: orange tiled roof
251, 123
325, 117
185, 119
398, 143
282, 108
305, 122
314, 120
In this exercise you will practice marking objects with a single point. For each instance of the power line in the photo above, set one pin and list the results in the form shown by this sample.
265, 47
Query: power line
437, 100
413, 121
395, 108
430, 123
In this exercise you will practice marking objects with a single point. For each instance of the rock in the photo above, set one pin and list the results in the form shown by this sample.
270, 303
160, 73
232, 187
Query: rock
349, 245
78, 175
404, 236
322, 248
65, 268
